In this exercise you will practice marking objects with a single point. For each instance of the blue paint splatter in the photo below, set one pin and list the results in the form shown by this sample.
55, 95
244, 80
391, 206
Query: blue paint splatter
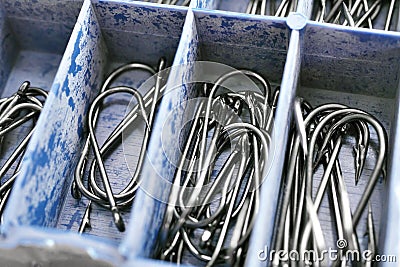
120, 17
50, 144
251, 27
71, 103
38, 219
74, 68
65, 86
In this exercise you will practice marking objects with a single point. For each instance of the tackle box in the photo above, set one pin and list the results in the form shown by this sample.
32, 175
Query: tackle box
69, 46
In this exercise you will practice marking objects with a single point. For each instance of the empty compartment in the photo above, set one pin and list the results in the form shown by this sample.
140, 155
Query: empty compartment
358, 69
276, 8
33, 38
131, 33
108, 34
257, 44
379, 15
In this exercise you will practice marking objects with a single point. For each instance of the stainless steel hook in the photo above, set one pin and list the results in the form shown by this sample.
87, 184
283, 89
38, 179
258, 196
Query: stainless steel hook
323, 130
106, 197
229, 201
22, 107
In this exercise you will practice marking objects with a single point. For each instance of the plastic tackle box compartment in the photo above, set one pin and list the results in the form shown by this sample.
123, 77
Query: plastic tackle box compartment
25, 56
240, 42
360, 70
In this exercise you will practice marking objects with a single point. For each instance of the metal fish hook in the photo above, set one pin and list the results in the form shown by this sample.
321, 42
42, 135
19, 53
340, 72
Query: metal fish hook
324, 128
234, 189
109, 201
75, 191
94, 193
23, 106
360, 13
265, 7
110, 196
171, 2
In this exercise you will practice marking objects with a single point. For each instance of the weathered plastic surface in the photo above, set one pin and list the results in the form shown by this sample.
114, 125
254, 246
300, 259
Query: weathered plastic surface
321, 62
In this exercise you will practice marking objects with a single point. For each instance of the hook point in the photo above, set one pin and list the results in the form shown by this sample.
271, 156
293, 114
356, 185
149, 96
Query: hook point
119, 222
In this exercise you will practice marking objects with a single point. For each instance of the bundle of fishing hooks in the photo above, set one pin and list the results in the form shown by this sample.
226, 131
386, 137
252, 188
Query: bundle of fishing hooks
170, 2
315, 144
22, 109
97, 188
214, 198
271, 7
357, 13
